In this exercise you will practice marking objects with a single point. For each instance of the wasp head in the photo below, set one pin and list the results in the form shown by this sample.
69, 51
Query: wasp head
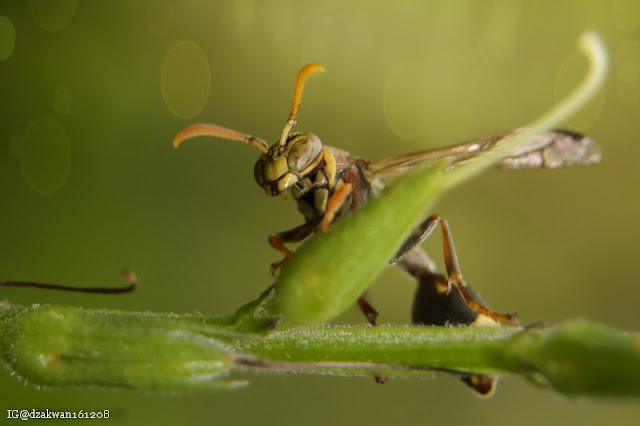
284, 165
287, 161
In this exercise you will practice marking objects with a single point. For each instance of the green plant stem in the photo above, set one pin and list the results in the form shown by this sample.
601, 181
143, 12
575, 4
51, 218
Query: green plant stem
64, 346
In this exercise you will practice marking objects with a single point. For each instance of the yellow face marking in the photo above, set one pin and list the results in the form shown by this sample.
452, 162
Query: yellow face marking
287, 181
275, 169
329, 167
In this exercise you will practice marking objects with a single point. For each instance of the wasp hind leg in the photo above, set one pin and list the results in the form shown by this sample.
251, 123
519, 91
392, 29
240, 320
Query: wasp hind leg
454, 275
434, 304
369, 311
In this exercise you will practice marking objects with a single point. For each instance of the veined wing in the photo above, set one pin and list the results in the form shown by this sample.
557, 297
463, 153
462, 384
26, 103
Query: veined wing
550, 149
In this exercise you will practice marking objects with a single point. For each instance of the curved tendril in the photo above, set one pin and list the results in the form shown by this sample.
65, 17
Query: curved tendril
306, 72
218, 132
594, 49
129, 276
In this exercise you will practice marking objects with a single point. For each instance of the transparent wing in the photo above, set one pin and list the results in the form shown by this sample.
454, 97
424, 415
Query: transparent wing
551, 149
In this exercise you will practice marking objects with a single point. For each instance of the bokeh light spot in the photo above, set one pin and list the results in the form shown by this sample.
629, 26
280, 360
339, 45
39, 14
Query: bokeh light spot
570, 73
52, 15
7, 38
627, 60
46, 155
405, 100
62, 100
185, 79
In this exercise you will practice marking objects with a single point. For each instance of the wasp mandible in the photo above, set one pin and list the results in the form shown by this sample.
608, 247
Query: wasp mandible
328, 183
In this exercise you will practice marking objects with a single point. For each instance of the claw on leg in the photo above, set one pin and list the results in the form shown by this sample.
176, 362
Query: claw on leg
275, 240
277, 265
294, 235
369, 311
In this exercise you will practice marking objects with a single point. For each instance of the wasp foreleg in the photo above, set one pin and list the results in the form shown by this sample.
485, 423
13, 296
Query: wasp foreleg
295, 235
333, 206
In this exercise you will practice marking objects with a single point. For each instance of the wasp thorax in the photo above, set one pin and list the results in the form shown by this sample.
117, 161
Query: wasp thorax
282, 166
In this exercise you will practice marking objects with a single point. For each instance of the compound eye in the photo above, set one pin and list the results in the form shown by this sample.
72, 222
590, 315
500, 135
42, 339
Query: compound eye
258, 172
304, 152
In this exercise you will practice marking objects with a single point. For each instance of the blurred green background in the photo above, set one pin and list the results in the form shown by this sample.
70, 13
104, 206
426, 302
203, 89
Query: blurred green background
93, 92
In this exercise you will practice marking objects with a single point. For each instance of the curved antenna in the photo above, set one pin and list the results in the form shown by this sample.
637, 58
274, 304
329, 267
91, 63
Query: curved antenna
306, 72
218, 132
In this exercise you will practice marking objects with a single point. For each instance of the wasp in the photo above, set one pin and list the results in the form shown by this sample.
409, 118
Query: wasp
327, 183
